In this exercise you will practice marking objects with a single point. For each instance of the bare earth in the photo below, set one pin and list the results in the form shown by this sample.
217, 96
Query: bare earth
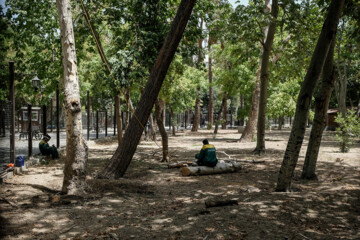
154, 202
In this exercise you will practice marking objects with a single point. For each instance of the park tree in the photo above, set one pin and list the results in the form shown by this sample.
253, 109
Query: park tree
123, 155
304, 99
76, 147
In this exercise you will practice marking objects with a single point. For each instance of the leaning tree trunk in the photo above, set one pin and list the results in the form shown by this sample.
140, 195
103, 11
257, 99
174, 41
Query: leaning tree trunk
124, 153
321, 105
159, 106
76, 147
264, 80
304, 99
118, 118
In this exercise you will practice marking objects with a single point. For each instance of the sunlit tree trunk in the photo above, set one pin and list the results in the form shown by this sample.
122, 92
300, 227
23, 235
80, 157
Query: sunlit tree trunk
122, 157
264, 79
321, 106
304, 99
223, 103
76, 148
211, 94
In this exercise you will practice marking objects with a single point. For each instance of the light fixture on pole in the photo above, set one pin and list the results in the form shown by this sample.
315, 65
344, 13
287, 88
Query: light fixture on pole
36, 82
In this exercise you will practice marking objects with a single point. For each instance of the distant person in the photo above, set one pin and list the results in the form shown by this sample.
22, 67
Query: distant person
46, 150
207, 155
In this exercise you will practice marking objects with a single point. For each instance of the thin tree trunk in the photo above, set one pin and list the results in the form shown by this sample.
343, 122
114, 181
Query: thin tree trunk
304, 99
128, 108
342, 77
321, 106
172, 120
264, 80
118, 118
159, 105
223, 103
124, 153
281, 122
76, 148
195, 126
224, 110
152, 128
211, 94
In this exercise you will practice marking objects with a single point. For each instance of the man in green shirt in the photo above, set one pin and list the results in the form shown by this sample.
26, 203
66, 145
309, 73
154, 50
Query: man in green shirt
207, 155
46, 150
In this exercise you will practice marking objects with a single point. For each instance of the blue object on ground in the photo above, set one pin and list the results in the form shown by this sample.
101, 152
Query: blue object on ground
19, 161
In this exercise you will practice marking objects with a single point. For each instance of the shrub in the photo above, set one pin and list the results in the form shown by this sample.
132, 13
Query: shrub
349, 128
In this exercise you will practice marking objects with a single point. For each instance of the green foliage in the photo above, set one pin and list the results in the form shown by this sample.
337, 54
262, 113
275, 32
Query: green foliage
349, 128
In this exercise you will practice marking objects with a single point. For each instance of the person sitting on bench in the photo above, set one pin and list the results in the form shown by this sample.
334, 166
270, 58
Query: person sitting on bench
46, 150
207, 155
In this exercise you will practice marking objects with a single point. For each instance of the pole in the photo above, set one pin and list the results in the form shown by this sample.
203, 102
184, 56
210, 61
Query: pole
97, 124
57, 118
44, 119
12, 114
106, 124
88, 116
29, 111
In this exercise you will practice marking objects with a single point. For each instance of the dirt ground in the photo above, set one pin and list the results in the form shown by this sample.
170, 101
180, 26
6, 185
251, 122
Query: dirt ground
154, 202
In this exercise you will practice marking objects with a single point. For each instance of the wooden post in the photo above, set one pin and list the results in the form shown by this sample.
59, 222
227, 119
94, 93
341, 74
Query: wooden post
97, 124
88, 115
12, 114
106, 124
57, 118
29, 111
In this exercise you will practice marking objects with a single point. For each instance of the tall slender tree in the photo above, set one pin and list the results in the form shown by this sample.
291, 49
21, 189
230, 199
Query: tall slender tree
76, 147
304, 99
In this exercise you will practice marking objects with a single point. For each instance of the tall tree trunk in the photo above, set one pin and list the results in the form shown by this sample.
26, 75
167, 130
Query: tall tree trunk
249, 131
342, 77
281, 122
172, 120
223, 103
251, 124
118, 118
321, 106
128, 108
264, 80
196, 120
224, 110
152, 128
76, 148
307, 90
124, 153
159, 106
211, 94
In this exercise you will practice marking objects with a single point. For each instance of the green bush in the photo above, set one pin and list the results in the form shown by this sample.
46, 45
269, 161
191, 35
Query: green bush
349, 128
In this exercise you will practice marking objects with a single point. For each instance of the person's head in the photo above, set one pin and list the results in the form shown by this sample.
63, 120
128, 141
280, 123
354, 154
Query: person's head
205, 142
46, 137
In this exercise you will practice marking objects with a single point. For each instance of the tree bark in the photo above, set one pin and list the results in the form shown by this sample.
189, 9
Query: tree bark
76, 148
172, 122
118, 118
304, 99
321, 106
195, 126
152, 128
224, 110
159, 106
264, 80
211, 94
342, 89
124, 153
223, 103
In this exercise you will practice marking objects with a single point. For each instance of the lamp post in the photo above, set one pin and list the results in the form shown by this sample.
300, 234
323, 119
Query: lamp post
36, 84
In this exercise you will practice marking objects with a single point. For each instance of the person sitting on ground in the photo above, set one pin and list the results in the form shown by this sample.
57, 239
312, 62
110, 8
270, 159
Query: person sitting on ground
207, 155
46, 150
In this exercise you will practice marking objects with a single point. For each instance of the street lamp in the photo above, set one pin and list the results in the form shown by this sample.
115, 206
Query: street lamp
36, 82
